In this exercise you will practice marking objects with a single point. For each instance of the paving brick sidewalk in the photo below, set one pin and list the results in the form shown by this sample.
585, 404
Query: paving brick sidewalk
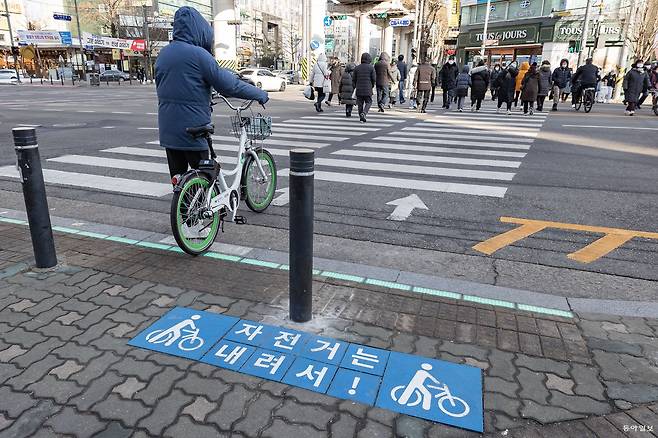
66, 369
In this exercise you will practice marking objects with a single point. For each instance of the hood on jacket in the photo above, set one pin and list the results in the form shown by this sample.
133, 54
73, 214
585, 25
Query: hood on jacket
366, 58
349, 68
564, 61
545, 67
465, 69
190, 27
478, 69
322, 57
385, 57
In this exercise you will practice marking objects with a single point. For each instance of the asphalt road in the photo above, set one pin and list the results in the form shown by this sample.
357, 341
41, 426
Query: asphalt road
469, 170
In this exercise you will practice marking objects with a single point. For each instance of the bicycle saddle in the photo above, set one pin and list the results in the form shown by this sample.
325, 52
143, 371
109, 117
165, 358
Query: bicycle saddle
201, 131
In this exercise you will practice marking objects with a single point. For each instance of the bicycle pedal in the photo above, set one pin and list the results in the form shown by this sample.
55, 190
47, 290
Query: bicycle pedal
240, 220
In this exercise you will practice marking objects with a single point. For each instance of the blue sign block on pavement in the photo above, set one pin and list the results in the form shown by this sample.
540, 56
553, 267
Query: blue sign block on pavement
309, 374
285, 340
352, 385
184, 332
433, 389
227, 354
250, 333
326, 350
365, 359
271, 365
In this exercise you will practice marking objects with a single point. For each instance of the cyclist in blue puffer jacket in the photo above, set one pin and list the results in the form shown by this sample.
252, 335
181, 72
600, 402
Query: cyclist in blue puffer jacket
185, 72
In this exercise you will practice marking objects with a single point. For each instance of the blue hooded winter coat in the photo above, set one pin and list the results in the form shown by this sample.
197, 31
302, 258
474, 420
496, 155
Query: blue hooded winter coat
184, 74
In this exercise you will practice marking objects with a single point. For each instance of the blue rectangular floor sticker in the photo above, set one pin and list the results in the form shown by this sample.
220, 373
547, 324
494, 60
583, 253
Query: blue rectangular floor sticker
433, 389
184, 332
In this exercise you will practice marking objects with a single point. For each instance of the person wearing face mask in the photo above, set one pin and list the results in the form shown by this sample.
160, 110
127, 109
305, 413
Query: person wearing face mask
586, 76
494, 75
449, 74
544, 84
561, 79
635, 82
505, 83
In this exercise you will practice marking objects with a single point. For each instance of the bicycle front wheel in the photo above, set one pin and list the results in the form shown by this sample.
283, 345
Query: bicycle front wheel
588, 103
193, 232
259, 191
578, 105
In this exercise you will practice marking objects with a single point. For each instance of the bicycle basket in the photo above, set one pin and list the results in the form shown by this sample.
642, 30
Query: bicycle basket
257, 127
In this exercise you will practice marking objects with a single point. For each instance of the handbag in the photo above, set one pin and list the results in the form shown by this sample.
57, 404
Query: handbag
326, 86
354, 94
309, 93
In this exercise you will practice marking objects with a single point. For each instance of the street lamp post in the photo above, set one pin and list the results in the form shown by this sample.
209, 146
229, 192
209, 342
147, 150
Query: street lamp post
584, 36
485, 30
82, 50
627, 31
147, 50
14, 49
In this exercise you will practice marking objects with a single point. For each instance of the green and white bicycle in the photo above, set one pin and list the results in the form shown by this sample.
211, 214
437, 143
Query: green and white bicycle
202, 198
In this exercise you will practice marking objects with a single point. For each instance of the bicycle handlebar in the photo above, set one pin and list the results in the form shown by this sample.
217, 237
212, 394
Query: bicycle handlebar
230, 105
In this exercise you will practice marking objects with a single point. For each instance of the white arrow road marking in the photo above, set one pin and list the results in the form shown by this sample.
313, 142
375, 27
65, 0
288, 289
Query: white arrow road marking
404, 207
282, 199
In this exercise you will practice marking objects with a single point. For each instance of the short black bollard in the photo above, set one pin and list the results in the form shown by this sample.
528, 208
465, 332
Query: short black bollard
301, 234
34, 192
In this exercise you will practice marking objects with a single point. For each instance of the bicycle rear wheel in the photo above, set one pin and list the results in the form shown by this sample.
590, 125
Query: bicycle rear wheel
193, 232
259, 192
578, 104
588, 102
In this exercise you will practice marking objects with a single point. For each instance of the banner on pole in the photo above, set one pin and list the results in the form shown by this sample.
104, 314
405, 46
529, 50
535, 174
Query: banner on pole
113, 43
44, 37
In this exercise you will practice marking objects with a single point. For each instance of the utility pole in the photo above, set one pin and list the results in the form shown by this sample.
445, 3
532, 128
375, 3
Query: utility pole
485, 31
585, 34
627, 32
14, 49
147, 51
82, 50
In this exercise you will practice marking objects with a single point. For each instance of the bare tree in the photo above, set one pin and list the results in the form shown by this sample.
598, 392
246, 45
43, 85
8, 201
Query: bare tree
643, 39
434, 24
103, 14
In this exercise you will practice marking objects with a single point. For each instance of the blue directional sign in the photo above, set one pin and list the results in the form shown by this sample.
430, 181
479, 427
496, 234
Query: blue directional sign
66, 38
328, 21
352, 385
325, 350
184, 332
399, 22
227, 354
315, 44
365, 359
63, 17
433, 389
309, 374
271, 365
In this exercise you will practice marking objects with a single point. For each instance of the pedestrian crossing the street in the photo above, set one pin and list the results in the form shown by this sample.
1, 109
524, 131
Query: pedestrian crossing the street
464, 153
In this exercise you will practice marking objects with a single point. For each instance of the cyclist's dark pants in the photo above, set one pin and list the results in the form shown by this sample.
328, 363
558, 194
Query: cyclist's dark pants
179, 160
575, 97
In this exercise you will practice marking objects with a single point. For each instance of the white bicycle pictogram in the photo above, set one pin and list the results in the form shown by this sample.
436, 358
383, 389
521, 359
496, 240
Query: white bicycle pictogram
417, 392
188, 342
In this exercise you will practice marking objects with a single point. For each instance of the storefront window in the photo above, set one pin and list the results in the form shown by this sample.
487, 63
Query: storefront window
466, 15
554, 5
524, 9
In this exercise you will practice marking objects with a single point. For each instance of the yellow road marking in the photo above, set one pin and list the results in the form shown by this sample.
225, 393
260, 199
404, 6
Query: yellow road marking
613, 237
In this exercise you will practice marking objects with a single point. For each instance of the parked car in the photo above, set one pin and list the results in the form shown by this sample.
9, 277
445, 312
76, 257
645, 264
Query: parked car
291, 76
242, 77
265, 79
8, 76
114, 75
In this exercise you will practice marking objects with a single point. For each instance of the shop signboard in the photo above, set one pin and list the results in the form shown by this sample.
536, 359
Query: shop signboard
44, 37
507, 36
566, 30
113, 43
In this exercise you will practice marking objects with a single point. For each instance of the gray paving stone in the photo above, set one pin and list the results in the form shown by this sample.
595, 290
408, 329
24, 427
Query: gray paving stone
499, 402
614, 346
231, 408
200, 409
546, 414
122, 330
602, 428
59, 390
33, 373
464, 350
532, 386
115, 430
371, 331
280, 429
14, 403
476, 363
501, 365
8, 354
298, 413
69, 422
560, 384
496, 384
373, 429
22, 305
81, 354
186, 428
5, 422
115, 290
426, 346
623, 405
544, 365
61, 331
159, 385
129, 387
65, 370
163, 301
587, 381
410, 427
115, 408
70, 318
611, 367
613, 326
637, 325
95, 368
8, 370
632, 392
258, 415
143, 370
382, 416
94, 317
403, 342
640, 369
310, 397
165, 412
31, 420
345, 426
97, 391
75, 305
579, 404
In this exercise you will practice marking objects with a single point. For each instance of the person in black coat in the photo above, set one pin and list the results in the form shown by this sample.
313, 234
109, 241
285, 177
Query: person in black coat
449, 74
363, 80
506, 83
404, 73
635, 82
479, 85
346, 89
492, 80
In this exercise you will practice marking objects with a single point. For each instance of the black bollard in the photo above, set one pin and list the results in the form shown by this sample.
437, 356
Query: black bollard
34, 192
301, 234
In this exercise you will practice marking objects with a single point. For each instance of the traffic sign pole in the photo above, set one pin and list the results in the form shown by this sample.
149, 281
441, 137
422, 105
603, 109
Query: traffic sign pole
82, 50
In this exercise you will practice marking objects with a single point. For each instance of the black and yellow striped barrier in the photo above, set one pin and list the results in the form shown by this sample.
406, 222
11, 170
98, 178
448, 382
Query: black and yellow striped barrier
228, 63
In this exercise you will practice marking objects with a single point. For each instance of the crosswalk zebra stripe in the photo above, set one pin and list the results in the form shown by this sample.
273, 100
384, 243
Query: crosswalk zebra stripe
90, 181
339, 122
419, 170
279, 128
160, 153
501, 115
433, 141
430, 158
470, 130
371, 116
116, 163
480, 122
479, 119
423, 132
402, 183
437, 149
481, 126
276, 142
341, 127
277, 133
